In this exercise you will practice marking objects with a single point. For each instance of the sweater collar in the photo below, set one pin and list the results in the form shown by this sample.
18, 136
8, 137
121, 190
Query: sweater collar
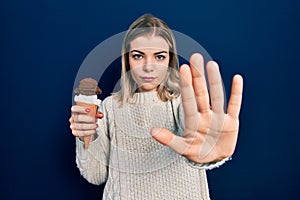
146, 97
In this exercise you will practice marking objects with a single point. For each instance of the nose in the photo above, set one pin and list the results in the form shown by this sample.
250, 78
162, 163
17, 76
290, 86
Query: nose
149, 65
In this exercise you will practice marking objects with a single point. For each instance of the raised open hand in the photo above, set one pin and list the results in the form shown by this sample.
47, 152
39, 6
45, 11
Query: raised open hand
210, 134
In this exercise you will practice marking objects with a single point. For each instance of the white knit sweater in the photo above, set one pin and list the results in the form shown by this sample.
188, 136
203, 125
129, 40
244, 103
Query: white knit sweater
132, 163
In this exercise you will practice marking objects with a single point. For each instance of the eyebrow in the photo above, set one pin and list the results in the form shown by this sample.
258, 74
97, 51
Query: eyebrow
156, 53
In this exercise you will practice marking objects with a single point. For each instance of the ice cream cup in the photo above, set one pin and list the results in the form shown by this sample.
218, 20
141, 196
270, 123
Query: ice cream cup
93, 111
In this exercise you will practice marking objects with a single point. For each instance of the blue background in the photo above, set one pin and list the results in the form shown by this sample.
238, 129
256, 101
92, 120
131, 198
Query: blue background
43, 44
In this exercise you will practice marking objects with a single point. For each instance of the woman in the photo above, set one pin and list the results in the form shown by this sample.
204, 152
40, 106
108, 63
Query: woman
188, 132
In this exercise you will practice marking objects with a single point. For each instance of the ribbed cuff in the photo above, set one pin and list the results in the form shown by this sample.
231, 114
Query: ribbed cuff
208, 166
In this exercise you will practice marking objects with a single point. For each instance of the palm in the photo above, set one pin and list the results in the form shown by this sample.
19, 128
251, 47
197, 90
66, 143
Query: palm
210, 134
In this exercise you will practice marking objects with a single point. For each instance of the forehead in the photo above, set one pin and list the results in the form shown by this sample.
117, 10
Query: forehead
149, 43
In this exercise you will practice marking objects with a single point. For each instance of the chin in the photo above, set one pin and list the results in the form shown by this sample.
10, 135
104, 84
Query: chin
148, 87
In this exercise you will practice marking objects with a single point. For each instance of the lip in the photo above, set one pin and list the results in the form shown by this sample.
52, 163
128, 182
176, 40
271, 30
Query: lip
147, 78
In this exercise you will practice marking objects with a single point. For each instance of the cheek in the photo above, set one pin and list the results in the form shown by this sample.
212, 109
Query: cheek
135, 72
134, 63
134, 68
131, 63
164, 65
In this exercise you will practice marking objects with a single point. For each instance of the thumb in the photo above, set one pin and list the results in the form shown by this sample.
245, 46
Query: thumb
167, 138
162, 135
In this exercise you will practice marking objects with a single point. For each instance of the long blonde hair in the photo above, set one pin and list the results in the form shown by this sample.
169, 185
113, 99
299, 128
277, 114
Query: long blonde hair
149, 25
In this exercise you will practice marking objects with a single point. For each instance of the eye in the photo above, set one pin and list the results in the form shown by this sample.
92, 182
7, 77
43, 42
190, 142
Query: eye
137, 56
160, 57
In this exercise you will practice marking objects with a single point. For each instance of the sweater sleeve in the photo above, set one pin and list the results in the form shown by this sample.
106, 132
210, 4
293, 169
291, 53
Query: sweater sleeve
179, 118
93, 162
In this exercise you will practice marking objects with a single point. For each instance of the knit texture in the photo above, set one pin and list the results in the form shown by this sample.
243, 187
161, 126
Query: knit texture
132, 163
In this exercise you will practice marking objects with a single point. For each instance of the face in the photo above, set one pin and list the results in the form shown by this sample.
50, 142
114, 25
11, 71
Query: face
149, 60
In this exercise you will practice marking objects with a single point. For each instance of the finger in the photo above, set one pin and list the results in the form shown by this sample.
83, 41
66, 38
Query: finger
169, 139
79, 133
84, 119
83, 126
216, 87
199, 82
235, 99
99, 115
80, 109
187, 92
71, 119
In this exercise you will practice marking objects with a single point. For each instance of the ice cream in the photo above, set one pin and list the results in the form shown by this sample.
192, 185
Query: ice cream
86, 96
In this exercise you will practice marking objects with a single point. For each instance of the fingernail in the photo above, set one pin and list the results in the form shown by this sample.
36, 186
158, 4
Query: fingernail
155, 131
100, 115
87, 110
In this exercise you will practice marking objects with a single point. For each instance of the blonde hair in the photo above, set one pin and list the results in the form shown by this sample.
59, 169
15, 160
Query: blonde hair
149, 25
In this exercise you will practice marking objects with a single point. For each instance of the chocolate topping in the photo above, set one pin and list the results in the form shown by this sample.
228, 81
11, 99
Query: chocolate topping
88, 87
